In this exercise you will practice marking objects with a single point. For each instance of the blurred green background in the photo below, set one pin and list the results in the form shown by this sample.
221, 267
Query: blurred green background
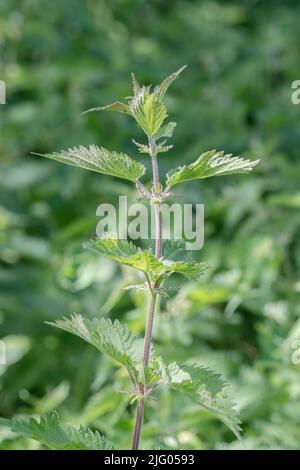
60, 58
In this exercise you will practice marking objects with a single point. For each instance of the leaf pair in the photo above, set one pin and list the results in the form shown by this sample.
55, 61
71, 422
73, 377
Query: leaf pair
144, 260
202, 385
101, 160
147, 107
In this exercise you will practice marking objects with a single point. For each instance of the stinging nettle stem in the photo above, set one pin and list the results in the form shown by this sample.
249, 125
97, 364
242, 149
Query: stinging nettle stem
151, 311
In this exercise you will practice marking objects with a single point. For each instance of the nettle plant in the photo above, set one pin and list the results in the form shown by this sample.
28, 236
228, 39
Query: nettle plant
146, 370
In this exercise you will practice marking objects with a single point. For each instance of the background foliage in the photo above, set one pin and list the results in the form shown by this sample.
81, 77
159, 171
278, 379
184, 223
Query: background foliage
60, 58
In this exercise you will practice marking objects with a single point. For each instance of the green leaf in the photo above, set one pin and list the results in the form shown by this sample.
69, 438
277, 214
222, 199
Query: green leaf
211, 163
116, 106
166, 130
111, 338
188, 270
101, 160
126, 253
49, 431
161, 89
148, 110
203, 386
175, 250
135, 84
176, 254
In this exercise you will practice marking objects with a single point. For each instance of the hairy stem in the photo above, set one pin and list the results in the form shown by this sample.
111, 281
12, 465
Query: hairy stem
138, 425
151, 311
149, 328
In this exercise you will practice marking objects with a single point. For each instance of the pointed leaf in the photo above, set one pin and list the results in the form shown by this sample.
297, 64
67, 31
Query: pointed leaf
148, 111
188, 269
111, 338
202, 385
116, 106
126, 253
166, 130
135, 84
49, 431
100, 160
210, 163
175, 250
161, 89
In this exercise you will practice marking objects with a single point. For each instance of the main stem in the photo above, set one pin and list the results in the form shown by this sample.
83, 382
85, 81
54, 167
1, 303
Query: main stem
150, 315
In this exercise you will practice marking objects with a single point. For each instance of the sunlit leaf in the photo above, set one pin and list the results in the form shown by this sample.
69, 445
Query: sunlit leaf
116, 106
135, 84
166, 130
161, 89
143, 260
100, 160
111, 338
148, 110
211, 163
126, 253
202, 385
